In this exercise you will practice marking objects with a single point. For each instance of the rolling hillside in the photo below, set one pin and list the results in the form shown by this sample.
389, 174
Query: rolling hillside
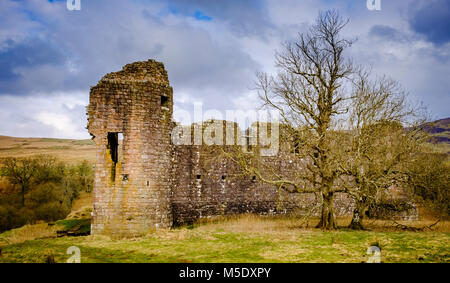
71, 151
439, 130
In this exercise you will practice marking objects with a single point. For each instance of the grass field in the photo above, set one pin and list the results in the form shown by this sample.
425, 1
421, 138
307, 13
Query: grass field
245, 238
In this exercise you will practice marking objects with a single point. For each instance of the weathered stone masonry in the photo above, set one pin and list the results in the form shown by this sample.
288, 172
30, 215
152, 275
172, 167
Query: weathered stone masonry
143, 182
132, 186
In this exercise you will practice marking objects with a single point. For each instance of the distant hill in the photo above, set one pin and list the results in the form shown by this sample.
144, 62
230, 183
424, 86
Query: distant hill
439, 130
71, 151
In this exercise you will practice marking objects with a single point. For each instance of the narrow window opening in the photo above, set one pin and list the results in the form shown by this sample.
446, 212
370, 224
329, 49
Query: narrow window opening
199, 177
148, 183
253, 179
113, 146
223, 177
164, 101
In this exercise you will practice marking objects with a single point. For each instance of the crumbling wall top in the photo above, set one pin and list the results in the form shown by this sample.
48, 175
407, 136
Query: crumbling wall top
141, 72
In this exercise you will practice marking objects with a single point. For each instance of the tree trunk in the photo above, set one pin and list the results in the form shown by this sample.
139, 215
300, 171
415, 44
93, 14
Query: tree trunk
358, 215
327, 220
23, 195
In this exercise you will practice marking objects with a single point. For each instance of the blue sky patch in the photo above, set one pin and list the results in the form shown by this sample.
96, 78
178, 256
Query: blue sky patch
199, 15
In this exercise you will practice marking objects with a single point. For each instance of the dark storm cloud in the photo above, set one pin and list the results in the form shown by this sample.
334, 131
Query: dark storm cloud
248, 17
210, 48
31, 53
105, 35
387, 33
432, 20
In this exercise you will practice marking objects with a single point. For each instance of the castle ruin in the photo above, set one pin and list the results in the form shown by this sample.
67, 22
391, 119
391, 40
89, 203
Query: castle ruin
143, 181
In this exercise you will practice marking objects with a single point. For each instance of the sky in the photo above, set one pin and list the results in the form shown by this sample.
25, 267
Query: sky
50, 56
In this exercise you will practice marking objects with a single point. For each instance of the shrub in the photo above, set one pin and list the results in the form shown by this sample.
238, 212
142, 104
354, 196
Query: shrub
48, 192
23, 216
52, 211
430, 181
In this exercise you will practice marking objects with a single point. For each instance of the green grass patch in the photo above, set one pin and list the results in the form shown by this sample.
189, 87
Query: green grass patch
52, 140
59, 147
82, 225
216, 245
83, 142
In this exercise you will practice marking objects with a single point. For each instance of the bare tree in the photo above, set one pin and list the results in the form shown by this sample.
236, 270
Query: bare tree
347, 131
309, 92
30, 170
384, 137
430, 180
19, 172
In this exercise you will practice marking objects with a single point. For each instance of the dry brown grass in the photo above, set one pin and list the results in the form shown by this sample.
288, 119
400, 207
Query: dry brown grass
84, 200
390, 225
28, 232
250, 223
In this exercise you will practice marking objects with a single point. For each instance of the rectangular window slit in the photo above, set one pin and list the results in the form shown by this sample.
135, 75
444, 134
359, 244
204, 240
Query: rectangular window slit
164, 101
113, 148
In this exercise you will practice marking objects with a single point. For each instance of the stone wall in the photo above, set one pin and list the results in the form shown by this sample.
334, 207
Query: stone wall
132, 176
144, 181
206, 184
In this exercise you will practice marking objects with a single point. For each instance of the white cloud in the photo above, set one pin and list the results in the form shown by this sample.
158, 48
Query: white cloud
60, 122
58, 115
208, 62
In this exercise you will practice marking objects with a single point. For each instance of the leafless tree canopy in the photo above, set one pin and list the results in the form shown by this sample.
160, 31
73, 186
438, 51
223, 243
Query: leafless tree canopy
317, 89
312, 70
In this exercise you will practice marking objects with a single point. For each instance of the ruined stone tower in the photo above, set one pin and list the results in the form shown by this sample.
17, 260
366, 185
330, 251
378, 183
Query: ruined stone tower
129, 116
143, 182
